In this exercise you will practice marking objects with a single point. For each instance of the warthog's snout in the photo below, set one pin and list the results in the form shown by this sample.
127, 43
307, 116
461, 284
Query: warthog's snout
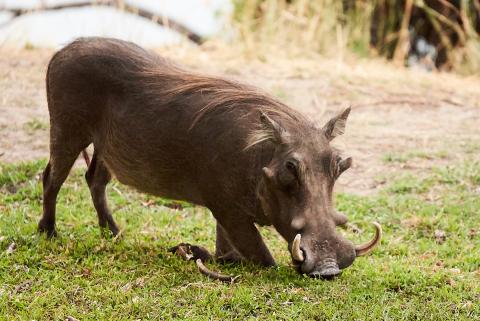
325, 260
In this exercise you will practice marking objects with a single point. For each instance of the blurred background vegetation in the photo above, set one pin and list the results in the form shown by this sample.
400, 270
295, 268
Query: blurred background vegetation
430, 34
427, 34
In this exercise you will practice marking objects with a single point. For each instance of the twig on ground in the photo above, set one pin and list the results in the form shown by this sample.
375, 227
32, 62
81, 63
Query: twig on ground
184, 250
214, 275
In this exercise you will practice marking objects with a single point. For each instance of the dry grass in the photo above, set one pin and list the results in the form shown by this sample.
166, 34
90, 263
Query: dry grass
317, 26
341, 29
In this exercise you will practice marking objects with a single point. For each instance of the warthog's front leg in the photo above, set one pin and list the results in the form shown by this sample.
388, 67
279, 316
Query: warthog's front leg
224, 251
243, 236
237, 239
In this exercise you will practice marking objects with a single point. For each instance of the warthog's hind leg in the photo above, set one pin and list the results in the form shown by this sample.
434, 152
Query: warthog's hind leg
97, 178
59, 165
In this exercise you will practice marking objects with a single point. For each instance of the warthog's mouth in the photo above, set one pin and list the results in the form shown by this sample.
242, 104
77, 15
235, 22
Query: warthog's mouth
329, 267
327, 270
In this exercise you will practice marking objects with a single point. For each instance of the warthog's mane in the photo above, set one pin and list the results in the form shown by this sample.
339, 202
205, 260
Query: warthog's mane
164, 83
224, 95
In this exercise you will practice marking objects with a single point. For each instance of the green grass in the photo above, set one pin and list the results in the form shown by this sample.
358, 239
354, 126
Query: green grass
413, 155
412, 275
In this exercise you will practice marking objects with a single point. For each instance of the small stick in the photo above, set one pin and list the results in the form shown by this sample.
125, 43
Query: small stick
214, 275
184, 250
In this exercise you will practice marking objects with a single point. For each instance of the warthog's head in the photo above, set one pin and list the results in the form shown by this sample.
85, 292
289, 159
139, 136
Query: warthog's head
296, 194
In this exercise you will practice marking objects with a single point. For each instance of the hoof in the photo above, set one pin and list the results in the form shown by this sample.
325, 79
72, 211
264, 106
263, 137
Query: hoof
115, 231
109, 232
107, 226
48, 229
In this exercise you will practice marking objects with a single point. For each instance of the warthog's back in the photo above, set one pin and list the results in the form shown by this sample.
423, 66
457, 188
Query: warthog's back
158, 127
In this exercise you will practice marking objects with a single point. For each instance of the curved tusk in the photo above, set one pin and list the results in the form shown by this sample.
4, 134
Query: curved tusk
296, 251
366, 248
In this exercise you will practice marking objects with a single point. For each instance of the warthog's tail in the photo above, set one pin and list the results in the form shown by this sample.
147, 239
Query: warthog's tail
86, 157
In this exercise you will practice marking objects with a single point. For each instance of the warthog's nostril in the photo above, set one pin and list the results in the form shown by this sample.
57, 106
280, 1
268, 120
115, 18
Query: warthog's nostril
327, 270
327, 274
314, 274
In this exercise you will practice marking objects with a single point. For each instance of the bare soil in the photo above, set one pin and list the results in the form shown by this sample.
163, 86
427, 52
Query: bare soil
402, 121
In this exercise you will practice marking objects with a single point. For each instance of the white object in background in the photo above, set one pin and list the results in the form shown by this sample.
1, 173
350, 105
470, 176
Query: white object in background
204, 17
58, 27
5, 16
34, 4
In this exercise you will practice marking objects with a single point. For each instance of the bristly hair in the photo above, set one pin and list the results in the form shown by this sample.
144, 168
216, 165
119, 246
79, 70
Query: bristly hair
221, 93
166, 83
258, 136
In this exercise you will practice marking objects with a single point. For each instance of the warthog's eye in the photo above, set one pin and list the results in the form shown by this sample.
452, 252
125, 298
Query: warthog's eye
289, 176
291, 166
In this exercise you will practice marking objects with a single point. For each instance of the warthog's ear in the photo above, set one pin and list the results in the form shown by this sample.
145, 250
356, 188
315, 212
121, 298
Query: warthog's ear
344, 165
274, 129
270, 130
336, 126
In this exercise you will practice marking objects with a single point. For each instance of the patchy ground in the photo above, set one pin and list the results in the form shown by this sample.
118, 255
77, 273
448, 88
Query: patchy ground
402, 121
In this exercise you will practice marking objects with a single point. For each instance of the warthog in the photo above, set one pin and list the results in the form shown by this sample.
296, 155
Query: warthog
210, 141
